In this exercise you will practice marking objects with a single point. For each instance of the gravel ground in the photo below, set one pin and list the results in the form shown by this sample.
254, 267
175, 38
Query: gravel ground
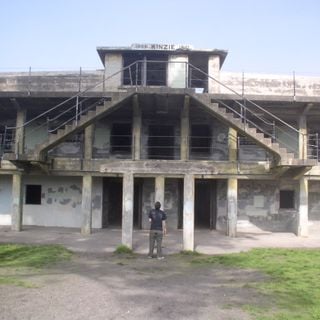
107, 286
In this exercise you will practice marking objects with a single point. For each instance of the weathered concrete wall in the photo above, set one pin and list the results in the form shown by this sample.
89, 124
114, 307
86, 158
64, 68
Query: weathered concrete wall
62, 81
258, 206
61, 202
171, 203
148, 188
314, 205
5, 199
35, 133
221, 223
270, 84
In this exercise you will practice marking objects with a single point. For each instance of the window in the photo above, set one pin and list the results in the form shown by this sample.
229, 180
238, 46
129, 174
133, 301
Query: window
33, 194
286, 199
161, 142
121, 138
201, 139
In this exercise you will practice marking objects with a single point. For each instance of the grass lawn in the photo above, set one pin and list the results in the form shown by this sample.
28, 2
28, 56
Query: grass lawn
294, 284
17, 257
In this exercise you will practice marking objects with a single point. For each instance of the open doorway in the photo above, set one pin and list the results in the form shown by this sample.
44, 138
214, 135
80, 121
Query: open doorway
112, 202
205, 212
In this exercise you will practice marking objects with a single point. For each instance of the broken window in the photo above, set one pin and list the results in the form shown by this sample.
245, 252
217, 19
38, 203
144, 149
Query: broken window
161, 142
33, 194
286, 199
121, 138
201, 139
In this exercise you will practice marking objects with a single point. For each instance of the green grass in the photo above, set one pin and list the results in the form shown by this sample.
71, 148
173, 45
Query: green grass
294, 283
16, 257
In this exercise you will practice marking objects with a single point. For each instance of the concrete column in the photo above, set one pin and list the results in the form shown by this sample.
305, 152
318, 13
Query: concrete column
88, 141
184, 145
214, 71
159, 190
303, 145
127, 210
136, 130
86, 206
21, 119
17, 203
232, 207
188, 213
178, 71
233, 145
302, 223
113, 63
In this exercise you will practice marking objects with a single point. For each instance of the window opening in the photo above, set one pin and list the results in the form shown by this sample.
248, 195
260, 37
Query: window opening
286, 199
33, 194
201, 139
121, 138
161, 142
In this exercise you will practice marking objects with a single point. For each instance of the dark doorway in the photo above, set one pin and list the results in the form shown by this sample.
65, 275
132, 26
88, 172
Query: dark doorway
137, 203
205, 212
161, 142
112, 202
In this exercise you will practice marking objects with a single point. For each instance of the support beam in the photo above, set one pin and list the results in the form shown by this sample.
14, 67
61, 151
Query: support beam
303, 145
17, 204
136, 130
88, 141
159, 190
86, 207
127, 210
232, 207
302, 221
21, 119
188, 213
184, 149
233, 145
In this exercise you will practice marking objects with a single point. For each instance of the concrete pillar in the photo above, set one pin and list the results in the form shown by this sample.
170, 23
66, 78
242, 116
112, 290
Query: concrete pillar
21, 119
178, 71
302, 221
303, 143
86, 206
127, 210
136, 130
188, 213
113, 63
214, 71
232, 207
233, 145
88, 141
184, 145
159, 190
17, 203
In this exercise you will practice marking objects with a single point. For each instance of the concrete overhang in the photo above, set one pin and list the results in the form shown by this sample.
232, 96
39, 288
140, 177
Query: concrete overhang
102, 51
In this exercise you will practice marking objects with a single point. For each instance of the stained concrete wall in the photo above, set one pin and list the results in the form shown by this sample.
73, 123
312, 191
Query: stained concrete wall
148, 200
314, 206
61, 202
221, 223
171, 203
5, 199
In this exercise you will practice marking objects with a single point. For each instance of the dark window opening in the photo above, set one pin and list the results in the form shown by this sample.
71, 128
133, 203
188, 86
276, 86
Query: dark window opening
121, 138
197, 78
201, 139
33, 194
161, 142
286, 199
151, 70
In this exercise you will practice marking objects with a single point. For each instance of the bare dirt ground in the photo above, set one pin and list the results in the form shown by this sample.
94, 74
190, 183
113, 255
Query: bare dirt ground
108, 286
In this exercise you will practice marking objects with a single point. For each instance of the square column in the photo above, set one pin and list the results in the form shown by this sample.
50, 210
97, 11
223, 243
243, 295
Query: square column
159, 190
88, 141
184, 145
86, 206
17, 203
127, 210
232, 207
19, 143
233, 145
113, 64
214, 72
136, 130
302, 223
303, 145
188, 213
178, 71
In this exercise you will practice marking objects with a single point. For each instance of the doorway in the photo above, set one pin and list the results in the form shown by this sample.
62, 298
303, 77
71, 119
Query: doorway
205, 211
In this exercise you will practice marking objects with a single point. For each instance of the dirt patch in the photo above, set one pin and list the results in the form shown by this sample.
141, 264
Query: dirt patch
121, 287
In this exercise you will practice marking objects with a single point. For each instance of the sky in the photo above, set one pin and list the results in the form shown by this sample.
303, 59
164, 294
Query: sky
262, 36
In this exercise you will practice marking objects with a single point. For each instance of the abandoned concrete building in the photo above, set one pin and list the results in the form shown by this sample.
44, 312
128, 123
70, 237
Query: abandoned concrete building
220, 150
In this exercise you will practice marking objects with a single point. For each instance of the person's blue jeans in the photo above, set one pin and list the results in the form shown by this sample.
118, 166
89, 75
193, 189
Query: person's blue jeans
155, 237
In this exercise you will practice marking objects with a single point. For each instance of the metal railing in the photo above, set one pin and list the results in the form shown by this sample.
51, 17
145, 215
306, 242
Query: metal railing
155, 73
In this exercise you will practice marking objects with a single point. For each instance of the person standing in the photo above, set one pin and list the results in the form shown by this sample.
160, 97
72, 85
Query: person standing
157, 219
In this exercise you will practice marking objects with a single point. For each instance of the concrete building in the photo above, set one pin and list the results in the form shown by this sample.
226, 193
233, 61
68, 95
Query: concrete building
219, 150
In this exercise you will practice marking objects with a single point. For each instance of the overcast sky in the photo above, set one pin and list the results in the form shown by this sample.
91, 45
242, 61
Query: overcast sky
266, 36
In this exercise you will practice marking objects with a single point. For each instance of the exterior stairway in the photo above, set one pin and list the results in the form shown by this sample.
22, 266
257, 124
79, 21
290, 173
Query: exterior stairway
282, 158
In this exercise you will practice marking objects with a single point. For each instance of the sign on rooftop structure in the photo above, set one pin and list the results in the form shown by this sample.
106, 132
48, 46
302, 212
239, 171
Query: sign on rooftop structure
158, 46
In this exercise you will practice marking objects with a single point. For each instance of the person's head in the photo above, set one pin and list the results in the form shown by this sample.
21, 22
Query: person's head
157, 205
